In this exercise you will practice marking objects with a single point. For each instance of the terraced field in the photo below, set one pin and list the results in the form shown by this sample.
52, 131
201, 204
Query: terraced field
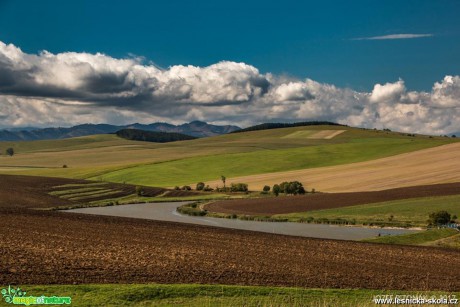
41, 192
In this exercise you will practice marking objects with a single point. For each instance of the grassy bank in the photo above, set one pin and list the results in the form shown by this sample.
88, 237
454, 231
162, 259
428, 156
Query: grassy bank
429, 237
210, 295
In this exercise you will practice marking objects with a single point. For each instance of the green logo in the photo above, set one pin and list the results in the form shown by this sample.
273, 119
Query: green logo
18, 297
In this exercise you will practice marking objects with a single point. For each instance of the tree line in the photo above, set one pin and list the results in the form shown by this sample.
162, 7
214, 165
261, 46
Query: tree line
268, 126
152, 136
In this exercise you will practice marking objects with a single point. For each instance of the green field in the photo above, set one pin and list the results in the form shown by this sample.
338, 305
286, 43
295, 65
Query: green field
107, 157
406, 212
211, 295
428, 238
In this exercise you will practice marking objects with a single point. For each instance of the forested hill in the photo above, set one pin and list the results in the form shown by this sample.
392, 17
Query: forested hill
268, 126
151, 136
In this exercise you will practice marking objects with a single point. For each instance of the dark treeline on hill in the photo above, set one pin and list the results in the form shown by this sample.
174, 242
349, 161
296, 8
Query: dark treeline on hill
151, 136
268, 126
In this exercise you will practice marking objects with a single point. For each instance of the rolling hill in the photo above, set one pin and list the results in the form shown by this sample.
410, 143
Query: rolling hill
303, 149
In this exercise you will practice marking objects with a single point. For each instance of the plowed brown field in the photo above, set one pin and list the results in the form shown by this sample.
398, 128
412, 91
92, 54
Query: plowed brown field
428, 166
46, 247
319, 201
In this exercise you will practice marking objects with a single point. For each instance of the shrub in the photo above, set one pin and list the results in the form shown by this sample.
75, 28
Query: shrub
10, 151
186, 188
207, 188
139, 191
266, 189
239, 187
176, 188
200, 186
64, 166
276, 189
292, 187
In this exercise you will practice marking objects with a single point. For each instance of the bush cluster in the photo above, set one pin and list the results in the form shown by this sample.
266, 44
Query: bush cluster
291, 187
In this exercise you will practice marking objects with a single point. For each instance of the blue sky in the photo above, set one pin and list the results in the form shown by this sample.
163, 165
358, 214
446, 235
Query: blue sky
305, 39
376, 64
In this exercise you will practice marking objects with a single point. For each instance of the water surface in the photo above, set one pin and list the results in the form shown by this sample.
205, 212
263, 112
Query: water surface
167, 212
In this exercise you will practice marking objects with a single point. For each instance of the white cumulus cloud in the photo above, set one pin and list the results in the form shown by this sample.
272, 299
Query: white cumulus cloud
70, 88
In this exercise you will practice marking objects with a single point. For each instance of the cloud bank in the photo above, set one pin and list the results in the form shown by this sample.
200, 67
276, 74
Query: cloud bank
70, 88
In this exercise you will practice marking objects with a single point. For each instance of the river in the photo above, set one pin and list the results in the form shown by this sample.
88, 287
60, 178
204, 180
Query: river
167, 212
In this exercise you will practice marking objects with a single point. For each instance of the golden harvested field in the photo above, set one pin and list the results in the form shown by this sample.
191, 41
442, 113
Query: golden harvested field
428, 166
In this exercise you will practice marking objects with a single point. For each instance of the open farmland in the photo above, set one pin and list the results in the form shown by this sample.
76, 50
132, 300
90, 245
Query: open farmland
47, 247
50, 192
109, 158
410, 212
427, 166
322, 201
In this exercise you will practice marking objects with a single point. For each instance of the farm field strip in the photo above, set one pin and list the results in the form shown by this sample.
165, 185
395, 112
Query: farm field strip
433, 237
432, 194
77, 190
106, 157
191, 170
326, 134
411, 212
427, 166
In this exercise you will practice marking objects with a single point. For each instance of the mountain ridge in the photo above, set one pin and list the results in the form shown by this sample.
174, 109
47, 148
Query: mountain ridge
194, 128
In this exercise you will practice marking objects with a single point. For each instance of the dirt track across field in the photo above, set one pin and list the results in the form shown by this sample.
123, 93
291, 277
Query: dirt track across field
48, 247
429, 166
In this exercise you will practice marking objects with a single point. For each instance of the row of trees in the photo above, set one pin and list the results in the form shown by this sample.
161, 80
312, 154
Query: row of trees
234, 187
286, 187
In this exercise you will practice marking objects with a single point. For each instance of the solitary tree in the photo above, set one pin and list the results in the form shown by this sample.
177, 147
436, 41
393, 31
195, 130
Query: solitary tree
10, 151
223, 180
266, 189
439, 218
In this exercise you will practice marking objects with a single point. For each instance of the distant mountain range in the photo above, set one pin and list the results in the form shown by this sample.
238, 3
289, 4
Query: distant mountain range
195, 128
